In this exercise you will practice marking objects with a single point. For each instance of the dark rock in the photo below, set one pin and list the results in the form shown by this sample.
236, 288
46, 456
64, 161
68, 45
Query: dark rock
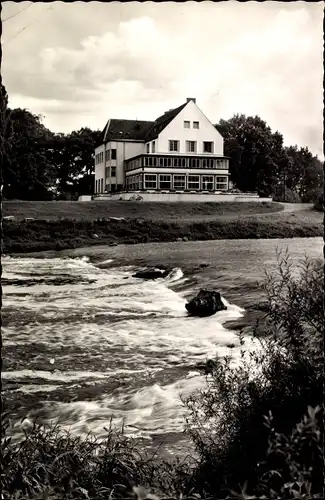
205, 303
151, 274
204, 265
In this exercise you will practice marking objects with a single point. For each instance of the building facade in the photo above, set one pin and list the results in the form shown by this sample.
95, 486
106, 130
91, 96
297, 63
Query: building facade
181, 151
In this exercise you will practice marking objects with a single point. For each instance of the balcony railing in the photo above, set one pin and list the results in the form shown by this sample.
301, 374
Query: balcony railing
176, 162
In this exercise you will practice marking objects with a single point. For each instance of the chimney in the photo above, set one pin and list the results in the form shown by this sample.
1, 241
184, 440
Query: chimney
188, 99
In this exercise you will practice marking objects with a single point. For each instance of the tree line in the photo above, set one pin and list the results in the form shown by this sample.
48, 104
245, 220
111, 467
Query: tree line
38, 164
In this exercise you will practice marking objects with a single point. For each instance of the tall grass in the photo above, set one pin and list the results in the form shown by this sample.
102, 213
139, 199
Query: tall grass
52, 463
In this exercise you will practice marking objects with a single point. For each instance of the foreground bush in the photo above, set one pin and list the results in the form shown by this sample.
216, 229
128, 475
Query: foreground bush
282, 459
51, 464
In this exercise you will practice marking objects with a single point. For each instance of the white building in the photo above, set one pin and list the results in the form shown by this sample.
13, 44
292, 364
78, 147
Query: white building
181, 151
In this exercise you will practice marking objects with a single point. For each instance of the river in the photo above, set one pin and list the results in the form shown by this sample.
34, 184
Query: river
84, 342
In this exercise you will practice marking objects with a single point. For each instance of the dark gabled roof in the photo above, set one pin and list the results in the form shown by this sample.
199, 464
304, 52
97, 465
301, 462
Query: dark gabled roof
126, 129
162, 122
139, 130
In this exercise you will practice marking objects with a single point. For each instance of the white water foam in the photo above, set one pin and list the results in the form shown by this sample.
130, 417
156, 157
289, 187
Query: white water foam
119, 324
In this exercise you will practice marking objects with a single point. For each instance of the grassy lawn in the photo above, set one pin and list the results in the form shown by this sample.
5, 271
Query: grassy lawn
178, 211
63, 225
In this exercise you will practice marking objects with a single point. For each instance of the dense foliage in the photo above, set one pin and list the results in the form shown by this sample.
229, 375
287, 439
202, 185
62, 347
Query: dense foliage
260, 162
38, 164
257, 428
265, 433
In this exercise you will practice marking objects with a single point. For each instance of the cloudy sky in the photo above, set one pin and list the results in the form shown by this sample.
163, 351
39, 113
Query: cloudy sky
79, 64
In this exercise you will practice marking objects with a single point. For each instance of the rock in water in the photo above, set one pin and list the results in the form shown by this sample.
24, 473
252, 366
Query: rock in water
151, 274
205, 303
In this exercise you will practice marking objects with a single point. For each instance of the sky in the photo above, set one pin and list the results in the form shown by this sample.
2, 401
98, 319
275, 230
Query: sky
78, 64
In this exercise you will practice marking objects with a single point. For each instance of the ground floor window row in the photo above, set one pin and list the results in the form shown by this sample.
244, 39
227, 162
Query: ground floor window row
179, 162
177, 182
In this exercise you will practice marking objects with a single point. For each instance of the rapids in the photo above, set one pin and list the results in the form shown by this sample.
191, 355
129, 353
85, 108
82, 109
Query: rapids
84, 342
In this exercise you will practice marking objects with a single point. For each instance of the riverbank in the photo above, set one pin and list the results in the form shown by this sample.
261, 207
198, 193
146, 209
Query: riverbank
21, 236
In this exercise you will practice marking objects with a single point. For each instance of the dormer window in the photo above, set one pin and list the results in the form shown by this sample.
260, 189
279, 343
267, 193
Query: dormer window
148, 148
153, 147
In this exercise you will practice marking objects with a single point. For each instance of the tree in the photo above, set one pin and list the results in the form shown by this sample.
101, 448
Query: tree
72, 155
27, 172
5, 127
254, 152
302, 173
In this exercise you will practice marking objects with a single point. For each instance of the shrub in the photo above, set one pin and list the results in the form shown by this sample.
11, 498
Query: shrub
52, 464
319, 203
227, 420
287, 196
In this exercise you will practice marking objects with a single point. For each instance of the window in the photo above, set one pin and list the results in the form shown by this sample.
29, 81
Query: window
153, 147
207, 182
165, 181
148, 148
174, 146
107, 172
191, 146
193, 182
208, 163
113, 171
108, 154
207, 147
150, 181
221, 183
101, 185
196, 125
187, 124
134, 182
167, 162
222, 164
113, 154
179, 182
180, 162
150, 161
194, 162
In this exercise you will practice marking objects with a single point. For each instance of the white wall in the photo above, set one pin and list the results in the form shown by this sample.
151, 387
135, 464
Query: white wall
176, 131
100, 168
124, 150
184, 197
